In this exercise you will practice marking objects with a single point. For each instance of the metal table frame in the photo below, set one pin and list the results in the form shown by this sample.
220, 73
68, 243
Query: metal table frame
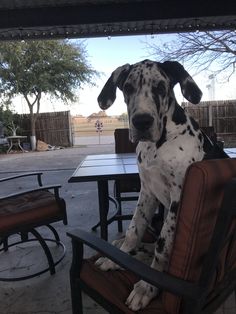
102, 169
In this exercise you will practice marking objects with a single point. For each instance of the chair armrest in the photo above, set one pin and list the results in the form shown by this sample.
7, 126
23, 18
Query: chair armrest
38, 174
159, 279
43, 188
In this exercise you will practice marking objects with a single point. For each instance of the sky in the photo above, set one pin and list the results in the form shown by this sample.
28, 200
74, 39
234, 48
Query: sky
105, 55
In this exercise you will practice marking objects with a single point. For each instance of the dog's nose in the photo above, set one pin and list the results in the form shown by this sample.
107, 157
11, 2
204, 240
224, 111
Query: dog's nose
142, 122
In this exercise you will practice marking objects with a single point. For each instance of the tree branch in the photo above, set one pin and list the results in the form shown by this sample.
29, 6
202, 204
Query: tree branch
202, 51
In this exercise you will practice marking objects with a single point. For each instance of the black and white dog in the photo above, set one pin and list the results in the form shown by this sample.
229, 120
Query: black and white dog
169, 140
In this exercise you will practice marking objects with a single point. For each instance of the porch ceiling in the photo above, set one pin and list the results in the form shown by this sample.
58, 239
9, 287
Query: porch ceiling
36, 19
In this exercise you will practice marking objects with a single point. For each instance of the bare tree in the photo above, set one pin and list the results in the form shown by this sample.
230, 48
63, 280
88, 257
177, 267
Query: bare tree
200, 51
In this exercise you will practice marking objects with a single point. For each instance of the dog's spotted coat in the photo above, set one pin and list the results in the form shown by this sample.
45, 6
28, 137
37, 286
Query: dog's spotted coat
169, 140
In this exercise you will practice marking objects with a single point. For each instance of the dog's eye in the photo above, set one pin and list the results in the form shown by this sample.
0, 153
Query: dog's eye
128, 88
160, 89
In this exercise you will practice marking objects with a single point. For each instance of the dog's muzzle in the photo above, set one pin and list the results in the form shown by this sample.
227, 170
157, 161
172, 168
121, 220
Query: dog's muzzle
142, 122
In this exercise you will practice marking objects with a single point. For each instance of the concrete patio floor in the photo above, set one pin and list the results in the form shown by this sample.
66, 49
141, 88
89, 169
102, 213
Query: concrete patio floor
51, 294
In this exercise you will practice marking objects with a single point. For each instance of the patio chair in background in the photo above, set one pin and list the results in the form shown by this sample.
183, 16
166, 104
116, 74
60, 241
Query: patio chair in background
127, 189
201, 272
210, 132
23, 212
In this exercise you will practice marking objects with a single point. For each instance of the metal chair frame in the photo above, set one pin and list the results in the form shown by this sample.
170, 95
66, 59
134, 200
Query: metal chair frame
193, 294
29, 228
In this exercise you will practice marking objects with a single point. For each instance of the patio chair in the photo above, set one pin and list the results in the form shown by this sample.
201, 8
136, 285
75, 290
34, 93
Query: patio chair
128, 189
23, 212
201, 272
210, 132
124, 190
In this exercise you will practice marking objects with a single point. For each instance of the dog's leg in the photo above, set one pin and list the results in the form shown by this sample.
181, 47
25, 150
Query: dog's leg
145, 209
144, 292
142, 217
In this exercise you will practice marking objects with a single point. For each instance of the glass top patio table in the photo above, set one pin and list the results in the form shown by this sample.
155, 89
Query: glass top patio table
103, 168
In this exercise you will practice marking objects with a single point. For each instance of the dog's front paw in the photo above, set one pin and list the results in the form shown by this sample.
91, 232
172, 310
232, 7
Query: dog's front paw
141, 295
106, 264
118, 242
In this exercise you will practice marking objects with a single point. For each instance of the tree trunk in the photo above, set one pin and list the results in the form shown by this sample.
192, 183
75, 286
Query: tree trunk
33, 132
33, 118
32, 124
33, 142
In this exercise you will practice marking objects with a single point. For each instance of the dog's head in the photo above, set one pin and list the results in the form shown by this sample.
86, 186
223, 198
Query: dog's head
148, 92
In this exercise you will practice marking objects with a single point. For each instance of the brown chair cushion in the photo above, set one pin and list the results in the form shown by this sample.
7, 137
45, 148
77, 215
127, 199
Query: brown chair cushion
27, 209
120, 281
204, 188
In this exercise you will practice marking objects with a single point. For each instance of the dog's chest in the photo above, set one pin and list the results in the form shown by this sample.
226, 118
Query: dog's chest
153, 168
162, 169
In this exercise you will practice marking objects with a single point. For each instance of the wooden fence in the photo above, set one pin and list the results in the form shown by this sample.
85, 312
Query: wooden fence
53, 128
56, 128
223, 118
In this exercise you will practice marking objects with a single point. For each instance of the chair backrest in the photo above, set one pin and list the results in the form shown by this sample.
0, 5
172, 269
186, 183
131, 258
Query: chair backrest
200, 205
124, 145
210, 132
122, 142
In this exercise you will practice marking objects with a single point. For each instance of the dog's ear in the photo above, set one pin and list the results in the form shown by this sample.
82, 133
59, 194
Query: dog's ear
108, 93
178, 74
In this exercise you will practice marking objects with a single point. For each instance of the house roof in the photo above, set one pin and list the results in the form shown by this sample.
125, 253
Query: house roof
36, 19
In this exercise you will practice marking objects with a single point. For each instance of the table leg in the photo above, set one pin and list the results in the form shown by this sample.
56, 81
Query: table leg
19, 145
103, 199
15, 143
10, 147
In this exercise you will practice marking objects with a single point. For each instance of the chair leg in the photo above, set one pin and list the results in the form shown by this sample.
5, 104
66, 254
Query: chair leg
24, 236
55, 233
76, 297
117, 196
46, 250
5, 244
76, 293
96, 226
43, 242
119, 212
